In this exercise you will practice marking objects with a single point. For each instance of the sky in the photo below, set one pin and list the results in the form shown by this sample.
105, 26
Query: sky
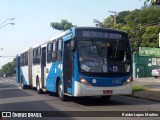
33, 18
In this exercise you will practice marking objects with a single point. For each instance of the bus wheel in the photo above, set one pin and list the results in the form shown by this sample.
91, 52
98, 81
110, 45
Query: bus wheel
39, 90
22, 83
60, 93
106, 97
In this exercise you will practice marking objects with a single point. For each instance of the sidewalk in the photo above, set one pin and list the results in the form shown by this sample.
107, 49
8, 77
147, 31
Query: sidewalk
153, 93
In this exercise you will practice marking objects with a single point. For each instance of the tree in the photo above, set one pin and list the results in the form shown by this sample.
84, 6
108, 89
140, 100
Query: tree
98, 23
142, 25
8, 69
152, 2
150, 36
62, 26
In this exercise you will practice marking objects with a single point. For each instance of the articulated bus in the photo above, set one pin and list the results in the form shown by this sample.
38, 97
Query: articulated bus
82, 61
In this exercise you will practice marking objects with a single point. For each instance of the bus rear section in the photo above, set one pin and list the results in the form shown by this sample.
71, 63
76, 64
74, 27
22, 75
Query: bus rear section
24, 68
18, 69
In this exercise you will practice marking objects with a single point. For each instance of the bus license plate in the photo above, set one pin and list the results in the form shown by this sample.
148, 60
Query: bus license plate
107, 91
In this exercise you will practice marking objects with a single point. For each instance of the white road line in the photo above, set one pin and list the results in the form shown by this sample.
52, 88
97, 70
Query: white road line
138, 99
23, 99
19, 87
9, 88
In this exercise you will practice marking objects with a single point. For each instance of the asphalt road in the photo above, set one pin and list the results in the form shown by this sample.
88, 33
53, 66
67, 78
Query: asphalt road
13, 98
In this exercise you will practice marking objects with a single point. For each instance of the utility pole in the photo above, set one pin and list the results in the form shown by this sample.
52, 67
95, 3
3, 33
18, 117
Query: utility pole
115, 13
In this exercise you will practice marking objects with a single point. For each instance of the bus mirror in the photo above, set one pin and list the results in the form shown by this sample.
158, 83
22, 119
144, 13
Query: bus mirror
72, 45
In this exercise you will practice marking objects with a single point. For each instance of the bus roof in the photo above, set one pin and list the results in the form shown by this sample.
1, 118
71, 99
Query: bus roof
73, 29
98, 28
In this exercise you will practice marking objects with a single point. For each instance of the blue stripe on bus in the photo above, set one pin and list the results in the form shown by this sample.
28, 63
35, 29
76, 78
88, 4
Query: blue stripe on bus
106, 82
23, 77
52, 76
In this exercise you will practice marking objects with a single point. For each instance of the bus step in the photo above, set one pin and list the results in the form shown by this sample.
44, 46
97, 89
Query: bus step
67, 94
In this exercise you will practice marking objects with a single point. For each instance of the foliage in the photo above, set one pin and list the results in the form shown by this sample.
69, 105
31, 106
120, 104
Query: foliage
152, 2
142, 26
63, 25
8, 69
138, 88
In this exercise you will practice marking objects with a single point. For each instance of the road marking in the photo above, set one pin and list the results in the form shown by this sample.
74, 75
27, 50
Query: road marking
132, 98
8, 88
19, 87
25, 99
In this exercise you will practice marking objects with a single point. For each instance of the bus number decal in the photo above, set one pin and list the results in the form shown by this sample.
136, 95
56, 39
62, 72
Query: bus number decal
85, 68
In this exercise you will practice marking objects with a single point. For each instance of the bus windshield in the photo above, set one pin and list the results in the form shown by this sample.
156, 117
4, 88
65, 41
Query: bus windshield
104, 56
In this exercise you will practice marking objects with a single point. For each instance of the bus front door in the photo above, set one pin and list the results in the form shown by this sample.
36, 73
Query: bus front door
67, 67
43, 66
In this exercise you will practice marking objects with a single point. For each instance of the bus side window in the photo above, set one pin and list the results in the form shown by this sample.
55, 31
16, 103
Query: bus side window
34, 56
26, 58
21, 60
54, 48
59, 50
38, 55
49, 52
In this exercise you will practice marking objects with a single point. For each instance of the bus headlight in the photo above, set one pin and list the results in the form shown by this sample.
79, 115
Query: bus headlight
84, 81
129, 80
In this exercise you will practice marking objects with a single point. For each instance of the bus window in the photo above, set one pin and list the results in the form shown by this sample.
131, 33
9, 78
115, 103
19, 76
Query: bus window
34, 55
54, 51
49, 52
38, 56
26, 58
59, 44
100, 56
59, 50
21, 60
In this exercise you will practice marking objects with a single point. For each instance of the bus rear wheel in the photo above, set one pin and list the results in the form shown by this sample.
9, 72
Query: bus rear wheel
60, 93
39, 90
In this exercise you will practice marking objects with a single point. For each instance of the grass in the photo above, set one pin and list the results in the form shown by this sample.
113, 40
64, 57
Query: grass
138, 88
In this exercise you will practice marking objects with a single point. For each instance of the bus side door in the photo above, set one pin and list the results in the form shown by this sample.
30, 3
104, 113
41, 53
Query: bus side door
67, 67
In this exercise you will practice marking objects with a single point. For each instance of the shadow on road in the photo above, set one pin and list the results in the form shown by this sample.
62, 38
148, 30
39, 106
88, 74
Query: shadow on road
113, 101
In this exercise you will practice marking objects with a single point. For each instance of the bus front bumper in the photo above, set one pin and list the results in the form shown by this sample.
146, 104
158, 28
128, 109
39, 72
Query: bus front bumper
84, 90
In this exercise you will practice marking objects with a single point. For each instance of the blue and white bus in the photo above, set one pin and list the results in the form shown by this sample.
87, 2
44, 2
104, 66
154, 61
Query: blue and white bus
82, 61
24, 68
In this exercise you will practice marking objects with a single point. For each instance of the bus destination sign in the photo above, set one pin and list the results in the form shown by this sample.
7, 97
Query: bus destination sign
96, 34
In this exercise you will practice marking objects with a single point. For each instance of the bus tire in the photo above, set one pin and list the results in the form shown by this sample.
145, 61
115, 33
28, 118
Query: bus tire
22, 83
106, 98
61, 96
39, 90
